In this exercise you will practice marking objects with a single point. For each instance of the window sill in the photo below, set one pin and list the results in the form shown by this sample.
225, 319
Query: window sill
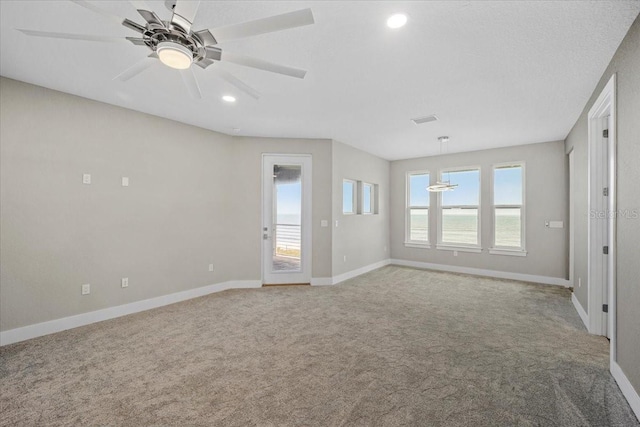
460, 248
417, 245
508, 252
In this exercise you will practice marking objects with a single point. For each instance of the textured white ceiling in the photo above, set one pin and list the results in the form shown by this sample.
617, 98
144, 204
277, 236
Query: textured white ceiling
495, 73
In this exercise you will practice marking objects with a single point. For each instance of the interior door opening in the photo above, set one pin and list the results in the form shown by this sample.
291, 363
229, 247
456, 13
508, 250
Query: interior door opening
601, 238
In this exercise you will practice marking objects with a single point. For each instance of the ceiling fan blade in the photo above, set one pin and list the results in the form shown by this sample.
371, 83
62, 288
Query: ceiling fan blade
139, 5
204, 63
191, 83
261, 64
264, 25
184, 13
137, 41
134, 26
213, 53
136, 69
206, 37
112, 16
230, 78
84, 37
151, 17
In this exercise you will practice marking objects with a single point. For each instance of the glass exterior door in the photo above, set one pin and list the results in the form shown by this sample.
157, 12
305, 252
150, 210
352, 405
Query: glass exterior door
287, 216
286, 211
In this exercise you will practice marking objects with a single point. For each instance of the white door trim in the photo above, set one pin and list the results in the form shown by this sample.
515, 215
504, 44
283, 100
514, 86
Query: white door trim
572, 216
304, 276
604, 106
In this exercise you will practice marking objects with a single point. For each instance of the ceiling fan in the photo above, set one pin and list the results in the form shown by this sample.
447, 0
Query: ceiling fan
178, 46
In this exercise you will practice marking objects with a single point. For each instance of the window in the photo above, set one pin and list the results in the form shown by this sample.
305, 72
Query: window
417, 220
367, 198
348, 197
459, 224
508, 204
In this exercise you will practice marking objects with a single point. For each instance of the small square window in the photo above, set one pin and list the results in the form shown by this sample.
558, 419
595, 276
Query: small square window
348, 197
368, 195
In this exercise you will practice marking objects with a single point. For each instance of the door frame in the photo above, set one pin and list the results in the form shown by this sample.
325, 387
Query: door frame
572, 216
306, 225
604, 106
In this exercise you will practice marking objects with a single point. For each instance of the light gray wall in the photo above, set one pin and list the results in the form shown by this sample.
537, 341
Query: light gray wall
194, 198
546, 193
363, 239
56, 233
626, 65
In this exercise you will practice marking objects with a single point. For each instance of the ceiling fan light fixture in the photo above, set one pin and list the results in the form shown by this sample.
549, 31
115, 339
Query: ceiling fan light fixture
439, 186
396, 21
174, 55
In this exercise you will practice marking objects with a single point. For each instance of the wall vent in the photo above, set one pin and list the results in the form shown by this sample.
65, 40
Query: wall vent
425, 119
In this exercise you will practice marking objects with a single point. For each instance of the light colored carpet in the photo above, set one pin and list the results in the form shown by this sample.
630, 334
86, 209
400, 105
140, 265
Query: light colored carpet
396, 346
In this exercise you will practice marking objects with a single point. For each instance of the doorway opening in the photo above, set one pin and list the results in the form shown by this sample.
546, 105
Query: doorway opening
602, 215
286, 219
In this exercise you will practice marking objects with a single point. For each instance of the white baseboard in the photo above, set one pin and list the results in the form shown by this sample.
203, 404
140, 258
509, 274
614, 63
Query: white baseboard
45, 328
627, 389
321, 281
357, 272
326, 281
583, 314
482, 272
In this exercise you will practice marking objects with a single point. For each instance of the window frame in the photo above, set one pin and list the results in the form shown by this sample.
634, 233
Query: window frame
354, 196
453, 246
508, 250
422, 244
371, 198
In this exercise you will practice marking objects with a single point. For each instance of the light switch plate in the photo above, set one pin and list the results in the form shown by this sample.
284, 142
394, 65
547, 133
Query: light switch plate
125, 282
86, 178
125, 181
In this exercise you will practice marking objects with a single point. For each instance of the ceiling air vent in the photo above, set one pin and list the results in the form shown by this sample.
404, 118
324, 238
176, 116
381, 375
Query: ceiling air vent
425, 119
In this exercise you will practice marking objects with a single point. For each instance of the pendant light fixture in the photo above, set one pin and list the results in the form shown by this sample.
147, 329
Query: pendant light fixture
439, 187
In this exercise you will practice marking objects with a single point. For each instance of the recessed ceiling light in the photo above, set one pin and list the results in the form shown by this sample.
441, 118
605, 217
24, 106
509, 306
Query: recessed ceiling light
229, 98
396, 21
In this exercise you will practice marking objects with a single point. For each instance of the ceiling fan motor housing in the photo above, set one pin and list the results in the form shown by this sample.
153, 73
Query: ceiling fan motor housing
157, 33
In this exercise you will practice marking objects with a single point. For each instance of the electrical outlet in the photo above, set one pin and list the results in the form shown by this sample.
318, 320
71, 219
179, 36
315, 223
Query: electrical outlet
125, 181
86, 289
210, 267
86, 178
455, 253
345, 258
124, 282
